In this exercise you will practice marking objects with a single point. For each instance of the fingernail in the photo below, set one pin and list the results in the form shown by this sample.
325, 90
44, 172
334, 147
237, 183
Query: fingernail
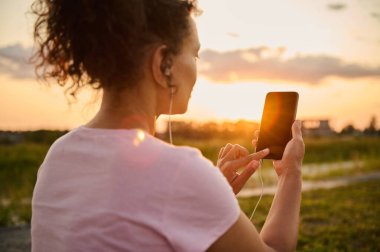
266, 150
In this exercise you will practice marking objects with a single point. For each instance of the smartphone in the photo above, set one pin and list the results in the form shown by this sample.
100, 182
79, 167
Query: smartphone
279, 113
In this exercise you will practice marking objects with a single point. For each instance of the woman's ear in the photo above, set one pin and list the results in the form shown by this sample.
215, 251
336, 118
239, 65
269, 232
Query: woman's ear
161, 66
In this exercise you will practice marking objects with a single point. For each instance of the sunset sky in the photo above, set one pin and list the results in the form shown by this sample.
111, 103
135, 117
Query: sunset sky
328, 51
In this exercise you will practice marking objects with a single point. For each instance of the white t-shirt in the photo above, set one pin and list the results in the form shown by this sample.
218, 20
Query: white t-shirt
125, 190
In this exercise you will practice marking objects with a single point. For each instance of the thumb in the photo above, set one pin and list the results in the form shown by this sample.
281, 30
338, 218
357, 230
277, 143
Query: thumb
296, 129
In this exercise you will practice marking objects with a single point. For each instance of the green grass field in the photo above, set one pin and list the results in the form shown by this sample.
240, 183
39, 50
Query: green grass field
18, 170
340, 219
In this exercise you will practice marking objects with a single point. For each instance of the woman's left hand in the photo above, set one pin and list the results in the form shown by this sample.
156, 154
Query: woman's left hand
232, 157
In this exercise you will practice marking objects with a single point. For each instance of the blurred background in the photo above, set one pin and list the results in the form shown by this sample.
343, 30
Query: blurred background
327, 51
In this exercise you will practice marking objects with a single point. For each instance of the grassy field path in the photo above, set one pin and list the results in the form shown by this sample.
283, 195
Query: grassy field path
314, 185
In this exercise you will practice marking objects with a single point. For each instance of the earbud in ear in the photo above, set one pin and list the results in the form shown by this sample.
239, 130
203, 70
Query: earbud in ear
166, 65
167, 71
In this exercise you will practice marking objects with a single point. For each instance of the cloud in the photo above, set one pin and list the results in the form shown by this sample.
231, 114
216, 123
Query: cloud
263, 63
253, 64
375, 15
336, 6
14, 61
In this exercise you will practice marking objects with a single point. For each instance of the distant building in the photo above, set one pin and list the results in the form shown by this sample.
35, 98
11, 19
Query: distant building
317, 127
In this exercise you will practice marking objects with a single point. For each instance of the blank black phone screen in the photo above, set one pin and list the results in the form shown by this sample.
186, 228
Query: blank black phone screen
279, 113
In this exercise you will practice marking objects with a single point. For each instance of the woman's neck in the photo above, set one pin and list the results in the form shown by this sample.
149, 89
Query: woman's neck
126, 110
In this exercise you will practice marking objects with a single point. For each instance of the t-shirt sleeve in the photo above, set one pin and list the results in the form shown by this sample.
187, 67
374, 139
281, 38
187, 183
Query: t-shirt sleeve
201, 206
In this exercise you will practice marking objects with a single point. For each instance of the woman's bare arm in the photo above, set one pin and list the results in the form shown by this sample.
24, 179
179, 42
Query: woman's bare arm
281, 226
280, 230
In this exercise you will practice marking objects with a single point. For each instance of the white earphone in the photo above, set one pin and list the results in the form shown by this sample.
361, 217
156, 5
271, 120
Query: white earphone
166, 70
168, 74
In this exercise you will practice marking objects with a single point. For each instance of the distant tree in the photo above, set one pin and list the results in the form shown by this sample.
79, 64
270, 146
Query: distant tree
349, 130
42, 136
371, 129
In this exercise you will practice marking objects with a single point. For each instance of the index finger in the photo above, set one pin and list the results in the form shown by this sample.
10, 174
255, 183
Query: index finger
259, 155
236, 164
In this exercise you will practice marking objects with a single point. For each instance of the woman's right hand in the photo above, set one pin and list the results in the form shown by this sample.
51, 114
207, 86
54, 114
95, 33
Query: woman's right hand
293, 155
233, 157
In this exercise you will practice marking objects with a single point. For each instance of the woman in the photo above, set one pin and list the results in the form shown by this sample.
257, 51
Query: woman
110, 185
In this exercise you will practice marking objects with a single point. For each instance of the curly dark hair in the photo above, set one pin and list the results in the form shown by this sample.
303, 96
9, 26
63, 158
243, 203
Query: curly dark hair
104, 43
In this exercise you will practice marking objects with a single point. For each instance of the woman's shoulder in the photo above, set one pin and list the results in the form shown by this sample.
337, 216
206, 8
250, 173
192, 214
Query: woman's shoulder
134, 144
184, 157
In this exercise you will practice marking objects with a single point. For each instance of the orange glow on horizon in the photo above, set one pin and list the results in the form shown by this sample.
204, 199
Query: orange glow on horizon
25, 105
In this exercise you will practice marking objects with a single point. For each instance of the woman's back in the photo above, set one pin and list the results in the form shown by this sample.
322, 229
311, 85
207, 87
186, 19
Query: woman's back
111, 190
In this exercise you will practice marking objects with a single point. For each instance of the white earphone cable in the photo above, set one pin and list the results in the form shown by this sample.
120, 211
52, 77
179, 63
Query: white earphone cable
262, 188
170, 119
